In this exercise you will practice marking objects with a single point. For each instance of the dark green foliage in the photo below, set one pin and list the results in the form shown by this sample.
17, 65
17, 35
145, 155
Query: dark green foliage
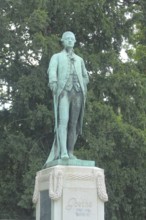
114, 132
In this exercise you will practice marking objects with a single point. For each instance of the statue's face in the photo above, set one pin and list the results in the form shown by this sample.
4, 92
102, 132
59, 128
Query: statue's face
69, 41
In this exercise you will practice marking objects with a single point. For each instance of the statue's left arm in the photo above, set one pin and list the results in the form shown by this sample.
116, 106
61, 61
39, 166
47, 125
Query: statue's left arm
84, 74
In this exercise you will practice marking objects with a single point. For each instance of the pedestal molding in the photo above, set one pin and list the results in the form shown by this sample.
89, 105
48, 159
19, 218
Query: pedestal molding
101, 188
56, 176
55, 184
36, 189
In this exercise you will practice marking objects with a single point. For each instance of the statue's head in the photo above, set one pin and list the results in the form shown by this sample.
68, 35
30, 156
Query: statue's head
68, 39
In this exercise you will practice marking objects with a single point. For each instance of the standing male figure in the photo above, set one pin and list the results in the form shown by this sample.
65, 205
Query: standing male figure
68, 81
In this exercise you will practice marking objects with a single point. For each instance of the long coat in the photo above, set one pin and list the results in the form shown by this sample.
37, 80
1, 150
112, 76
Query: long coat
58, 72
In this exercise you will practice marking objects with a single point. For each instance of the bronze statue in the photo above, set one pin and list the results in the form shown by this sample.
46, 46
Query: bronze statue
68, 79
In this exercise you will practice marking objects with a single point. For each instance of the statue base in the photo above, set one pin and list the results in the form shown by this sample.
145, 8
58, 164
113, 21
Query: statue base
71, 162
70, 193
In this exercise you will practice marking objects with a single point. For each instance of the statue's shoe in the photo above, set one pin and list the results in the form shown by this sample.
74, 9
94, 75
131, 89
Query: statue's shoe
64, 157
71, 156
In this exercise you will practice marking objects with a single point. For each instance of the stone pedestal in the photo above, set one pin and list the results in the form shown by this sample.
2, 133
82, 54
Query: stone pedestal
70, 193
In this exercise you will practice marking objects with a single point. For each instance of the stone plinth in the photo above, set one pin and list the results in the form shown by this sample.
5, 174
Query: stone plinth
70, 193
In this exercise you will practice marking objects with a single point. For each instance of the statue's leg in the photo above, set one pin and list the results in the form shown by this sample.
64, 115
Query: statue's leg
63, 123
75, 109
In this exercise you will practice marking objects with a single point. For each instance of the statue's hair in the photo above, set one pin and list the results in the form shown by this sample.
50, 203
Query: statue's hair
66, 33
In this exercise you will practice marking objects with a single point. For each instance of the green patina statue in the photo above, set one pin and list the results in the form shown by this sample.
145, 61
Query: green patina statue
68, 79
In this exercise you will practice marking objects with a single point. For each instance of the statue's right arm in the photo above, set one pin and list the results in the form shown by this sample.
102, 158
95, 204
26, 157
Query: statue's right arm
52, 73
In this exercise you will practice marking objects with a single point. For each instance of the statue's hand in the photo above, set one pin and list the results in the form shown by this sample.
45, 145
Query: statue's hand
53, 87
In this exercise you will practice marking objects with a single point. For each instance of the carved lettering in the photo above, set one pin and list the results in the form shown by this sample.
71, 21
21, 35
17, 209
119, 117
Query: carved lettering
82, 207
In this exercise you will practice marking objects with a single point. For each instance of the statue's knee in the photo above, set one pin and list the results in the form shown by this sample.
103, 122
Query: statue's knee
63, 123
72, 125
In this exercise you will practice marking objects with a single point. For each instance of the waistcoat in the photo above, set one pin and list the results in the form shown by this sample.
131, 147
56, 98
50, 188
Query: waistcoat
73, 81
